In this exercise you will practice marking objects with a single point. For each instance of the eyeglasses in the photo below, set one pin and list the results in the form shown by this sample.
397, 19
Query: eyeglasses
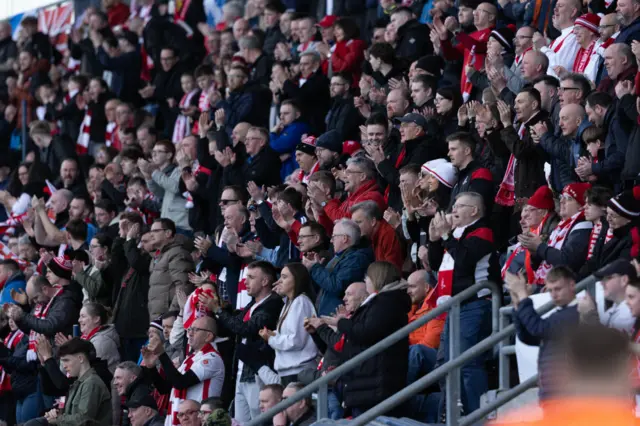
192, 330
187, 414
338, 235
601, 27
205, 412
458, 205
520, 37
225, 202
351, 172
485, 11
306, 236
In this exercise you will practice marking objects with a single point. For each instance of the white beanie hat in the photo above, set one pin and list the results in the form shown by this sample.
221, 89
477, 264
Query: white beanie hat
442, 170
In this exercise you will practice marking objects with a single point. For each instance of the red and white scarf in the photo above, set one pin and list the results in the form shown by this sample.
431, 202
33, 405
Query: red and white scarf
518, 58
10, 342
506, 195
304, 178
593, 239
194, 309
583, 57
181, 128
8, 227
110, 130
196, 170
556, 240
40, 312
90, 334
82, 144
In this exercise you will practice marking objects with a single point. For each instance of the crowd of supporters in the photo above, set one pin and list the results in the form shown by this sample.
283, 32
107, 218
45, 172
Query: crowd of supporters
203, 220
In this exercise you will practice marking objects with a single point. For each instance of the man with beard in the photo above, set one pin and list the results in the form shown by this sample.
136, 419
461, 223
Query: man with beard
343, 115
70, 178
328, 150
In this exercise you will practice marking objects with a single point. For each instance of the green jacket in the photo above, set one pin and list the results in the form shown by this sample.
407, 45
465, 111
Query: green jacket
88, 399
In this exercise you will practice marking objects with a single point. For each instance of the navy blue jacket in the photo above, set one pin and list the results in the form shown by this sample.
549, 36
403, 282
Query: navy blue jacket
332, 282
615, 147
574, 249
536, 331
629, 33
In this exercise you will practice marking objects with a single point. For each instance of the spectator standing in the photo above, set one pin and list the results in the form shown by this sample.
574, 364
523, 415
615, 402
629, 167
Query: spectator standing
343, 115
169, 269
385, 241
294, 347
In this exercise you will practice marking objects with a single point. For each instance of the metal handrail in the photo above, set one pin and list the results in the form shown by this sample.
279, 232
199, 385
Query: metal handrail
471, 353
322, 383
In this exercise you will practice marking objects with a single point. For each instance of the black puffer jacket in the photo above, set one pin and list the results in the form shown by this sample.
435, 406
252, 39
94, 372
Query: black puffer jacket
130, 313
386, 373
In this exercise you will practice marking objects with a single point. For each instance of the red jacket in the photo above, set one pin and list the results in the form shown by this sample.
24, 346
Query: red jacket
347, 57
386, 245
367, 191
118, 14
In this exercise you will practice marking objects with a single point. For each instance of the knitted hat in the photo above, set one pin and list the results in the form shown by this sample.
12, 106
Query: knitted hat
590, 21
308, 145
577, 191
433, 64
542, 199
351, 147
627, 203
157, 324
330, 140
61, 267
442, 170
504, 36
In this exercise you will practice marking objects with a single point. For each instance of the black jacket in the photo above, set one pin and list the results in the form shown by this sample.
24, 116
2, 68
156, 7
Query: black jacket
263, 168
317, 88
261, 70
474, 244
272, 37
529, 173
386, 373
345, 118
265, 315
51, 158
167, 85
417, 151
63, 313
413, 41
130, 311
474, 178
625, 244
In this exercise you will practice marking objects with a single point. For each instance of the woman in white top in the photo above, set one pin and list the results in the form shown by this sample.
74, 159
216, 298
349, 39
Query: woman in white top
295, 350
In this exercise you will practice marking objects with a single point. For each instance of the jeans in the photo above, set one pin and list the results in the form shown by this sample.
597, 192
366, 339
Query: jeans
336, 412
422, 359
475, 325
29, 407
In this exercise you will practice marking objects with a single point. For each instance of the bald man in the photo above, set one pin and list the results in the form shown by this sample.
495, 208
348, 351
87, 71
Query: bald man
522, 43
422, 302
620, 62
200, 376
354, 295
560, 148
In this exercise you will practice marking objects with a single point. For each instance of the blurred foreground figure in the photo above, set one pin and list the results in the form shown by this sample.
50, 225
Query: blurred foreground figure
593, 380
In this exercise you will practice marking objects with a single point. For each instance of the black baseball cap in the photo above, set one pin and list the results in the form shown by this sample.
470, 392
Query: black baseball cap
145, 400
617, 267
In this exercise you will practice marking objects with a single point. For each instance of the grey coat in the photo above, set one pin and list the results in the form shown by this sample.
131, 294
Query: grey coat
165, 184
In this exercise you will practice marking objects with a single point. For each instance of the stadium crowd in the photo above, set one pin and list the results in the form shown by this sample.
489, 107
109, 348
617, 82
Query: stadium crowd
203, 220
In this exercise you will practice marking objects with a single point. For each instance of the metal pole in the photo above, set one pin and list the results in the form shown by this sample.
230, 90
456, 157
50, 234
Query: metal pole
24, 130
453, 378
503, 359
502, 398
471, 353
322, 403
373, 350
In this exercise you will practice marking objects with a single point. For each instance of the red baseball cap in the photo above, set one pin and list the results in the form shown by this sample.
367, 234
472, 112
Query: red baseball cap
327, 21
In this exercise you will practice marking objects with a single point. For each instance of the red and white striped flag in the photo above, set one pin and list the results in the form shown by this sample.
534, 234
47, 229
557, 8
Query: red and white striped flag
6, 253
